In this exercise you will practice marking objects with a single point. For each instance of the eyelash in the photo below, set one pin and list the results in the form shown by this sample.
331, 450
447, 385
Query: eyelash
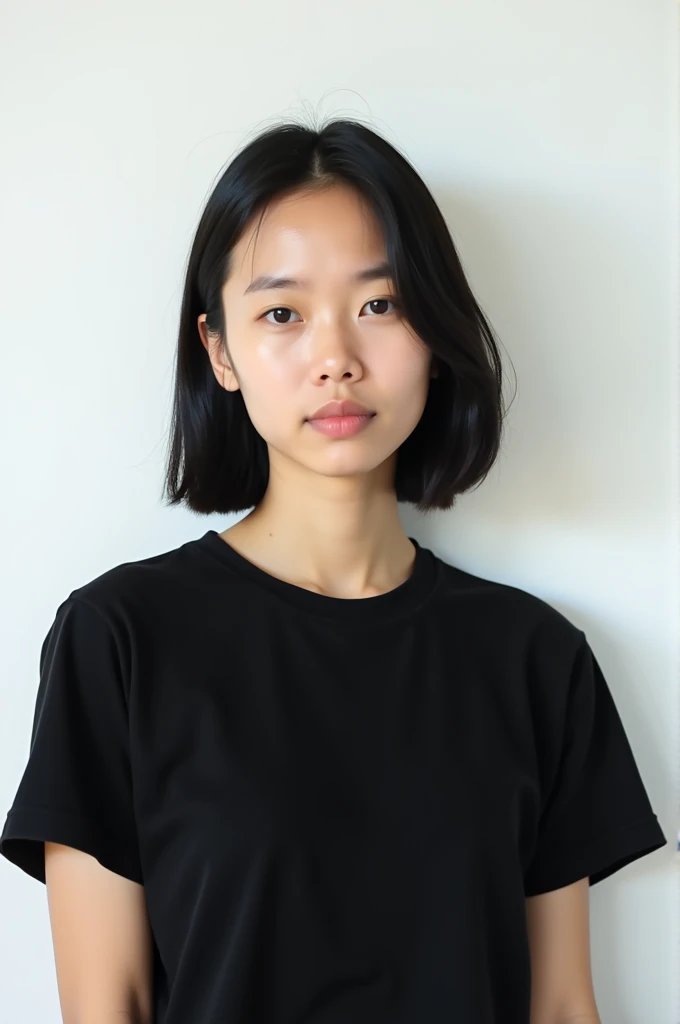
385, 298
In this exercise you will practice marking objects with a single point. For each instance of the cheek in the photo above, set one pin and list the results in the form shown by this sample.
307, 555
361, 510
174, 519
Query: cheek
404, 377
270, 387
266, 357
406, 388
267, 370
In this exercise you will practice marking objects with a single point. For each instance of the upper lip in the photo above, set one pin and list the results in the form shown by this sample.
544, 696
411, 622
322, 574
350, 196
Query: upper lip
346, 408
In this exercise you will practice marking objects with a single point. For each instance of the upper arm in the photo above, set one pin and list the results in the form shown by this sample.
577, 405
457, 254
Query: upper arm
101, 937
595, 814
558, 927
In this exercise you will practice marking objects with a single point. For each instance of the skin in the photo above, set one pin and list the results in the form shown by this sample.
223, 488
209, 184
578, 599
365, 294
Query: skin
558, 925
329, 520
328, 523
101, 938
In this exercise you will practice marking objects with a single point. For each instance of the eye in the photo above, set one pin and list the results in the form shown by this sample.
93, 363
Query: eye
281, 318
278, 310
380, 303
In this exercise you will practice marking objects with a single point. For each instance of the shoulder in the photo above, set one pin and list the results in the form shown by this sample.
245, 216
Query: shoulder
505, 607
139, 591
514, 639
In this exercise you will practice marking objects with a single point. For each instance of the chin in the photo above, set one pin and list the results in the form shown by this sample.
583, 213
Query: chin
351, 464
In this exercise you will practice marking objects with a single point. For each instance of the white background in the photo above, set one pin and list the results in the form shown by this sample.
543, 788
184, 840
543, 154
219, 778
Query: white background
549, 135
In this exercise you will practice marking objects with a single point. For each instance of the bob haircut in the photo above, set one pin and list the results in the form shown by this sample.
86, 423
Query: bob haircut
217, 461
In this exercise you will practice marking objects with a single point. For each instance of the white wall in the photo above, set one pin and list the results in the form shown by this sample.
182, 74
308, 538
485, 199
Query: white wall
549, 134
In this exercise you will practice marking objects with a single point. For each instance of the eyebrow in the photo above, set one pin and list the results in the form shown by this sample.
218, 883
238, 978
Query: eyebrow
266, 282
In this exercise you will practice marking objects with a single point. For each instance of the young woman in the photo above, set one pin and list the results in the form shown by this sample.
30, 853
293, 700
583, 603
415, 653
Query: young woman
303, 771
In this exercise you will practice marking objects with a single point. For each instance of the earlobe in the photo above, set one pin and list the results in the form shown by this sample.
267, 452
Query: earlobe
233, 384
220, 369
228, 377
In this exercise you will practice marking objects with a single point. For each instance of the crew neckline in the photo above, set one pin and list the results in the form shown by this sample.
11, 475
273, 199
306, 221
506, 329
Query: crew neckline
404, 599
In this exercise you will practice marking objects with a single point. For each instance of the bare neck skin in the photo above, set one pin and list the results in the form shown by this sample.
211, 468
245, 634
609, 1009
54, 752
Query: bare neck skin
337, 536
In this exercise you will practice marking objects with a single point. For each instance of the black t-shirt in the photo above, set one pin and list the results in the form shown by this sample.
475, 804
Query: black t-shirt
336, 807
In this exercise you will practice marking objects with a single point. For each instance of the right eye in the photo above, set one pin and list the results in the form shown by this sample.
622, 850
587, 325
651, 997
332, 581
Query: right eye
278, 309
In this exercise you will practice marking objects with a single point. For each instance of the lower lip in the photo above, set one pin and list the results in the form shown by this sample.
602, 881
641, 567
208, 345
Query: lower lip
341, 426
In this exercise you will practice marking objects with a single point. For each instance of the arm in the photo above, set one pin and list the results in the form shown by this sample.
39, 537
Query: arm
559, 940
102, 940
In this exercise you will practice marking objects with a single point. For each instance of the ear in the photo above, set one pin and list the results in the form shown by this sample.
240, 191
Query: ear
222, 368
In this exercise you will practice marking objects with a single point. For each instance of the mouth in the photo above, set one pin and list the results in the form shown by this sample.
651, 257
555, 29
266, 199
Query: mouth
344, 407
341, 426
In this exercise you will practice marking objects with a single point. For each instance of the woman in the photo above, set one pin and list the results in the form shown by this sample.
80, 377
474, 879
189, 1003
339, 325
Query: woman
304, 770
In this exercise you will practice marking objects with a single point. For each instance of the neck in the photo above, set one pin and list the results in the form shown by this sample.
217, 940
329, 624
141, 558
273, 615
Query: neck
341, 537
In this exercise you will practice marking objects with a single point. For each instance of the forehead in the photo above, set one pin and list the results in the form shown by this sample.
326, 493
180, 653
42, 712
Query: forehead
327, 230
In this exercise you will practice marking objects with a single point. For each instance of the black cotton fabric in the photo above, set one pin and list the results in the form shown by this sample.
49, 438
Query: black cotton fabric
336, 807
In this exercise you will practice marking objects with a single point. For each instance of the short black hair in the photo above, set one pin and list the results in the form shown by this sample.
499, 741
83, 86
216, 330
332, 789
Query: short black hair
217, 461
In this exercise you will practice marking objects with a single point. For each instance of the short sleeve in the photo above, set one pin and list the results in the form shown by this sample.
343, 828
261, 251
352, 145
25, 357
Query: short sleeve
76, 787
597, 816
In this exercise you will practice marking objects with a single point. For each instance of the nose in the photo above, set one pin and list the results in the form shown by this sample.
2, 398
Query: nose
338, 369
334, 356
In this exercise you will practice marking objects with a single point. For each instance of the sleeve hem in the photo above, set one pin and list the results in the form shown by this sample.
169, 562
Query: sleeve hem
28, 828
599, 858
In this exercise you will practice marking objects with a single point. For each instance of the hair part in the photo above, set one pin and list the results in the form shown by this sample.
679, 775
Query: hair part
217, 461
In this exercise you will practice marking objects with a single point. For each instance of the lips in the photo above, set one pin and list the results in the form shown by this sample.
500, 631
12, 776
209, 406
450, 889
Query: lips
346, 408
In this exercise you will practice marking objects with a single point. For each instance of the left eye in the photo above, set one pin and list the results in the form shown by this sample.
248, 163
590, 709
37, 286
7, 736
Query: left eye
381, 302
282, 311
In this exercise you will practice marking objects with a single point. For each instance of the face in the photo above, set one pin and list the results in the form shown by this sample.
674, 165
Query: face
329, 332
